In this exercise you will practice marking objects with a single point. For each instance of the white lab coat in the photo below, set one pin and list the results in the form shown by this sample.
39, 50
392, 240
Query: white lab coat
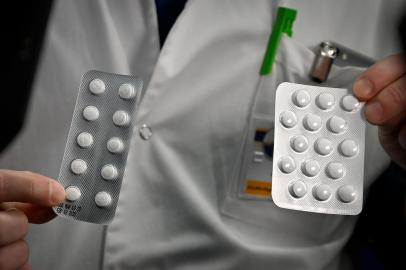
174, 211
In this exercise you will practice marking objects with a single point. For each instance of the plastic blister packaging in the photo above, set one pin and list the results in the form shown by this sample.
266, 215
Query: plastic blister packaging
319, 149
97, 146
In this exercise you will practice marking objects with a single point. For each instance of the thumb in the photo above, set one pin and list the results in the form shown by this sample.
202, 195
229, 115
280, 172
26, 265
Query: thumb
36, 214
17, 186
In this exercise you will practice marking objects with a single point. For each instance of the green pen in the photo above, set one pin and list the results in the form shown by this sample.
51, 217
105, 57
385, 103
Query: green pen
283, 24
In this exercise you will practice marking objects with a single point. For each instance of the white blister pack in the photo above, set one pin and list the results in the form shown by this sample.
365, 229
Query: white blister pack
97, 146
319, 149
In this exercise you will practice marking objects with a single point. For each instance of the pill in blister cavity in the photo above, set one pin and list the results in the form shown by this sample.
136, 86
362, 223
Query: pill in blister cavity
121, 118
72, 193
115, 145
78, 166
287, 164
84, 139
325, 101
109, 172
350, 103
322, 192
301, 98
346, 194
103, 199
298, 189
349, 148
90, 113
337, 124
97, 86
126, 91
312, 122
323, 146
288, 119
335, 170
310, 168
299, 143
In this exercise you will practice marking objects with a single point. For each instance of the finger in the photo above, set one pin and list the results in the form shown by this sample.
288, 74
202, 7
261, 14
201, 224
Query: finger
392, 126
390, 130
26, 267
392, 137
388, 103
29, 187
35, 213
379, 75
13, 226
14, 256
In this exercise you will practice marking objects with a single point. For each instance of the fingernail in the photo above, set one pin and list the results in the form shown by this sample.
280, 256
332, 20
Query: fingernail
363, 88
57, 192
12, 210
374, 112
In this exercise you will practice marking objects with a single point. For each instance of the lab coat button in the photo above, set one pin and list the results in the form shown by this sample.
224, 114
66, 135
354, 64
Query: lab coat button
145, 132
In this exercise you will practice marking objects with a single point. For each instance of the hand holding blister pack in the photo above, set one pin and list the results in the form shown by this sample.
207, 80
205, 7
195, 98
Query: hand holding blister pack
319, 149
97, 147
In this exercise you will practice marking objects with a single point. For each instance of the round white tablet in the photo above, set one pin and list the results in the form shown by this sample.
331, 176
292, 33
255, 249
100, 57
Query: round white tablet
337, 124
323, 146
109, 172
90, 113
103, 199
287, 164
115, 145
126, 91
72, 193
121, 118
301, 98
350, 103
312, 122
299, 143
325, 101
78, 166
288, 119
84, 139
349, 148
310, 167
322, 192
335, 170
346, 194
97, 86
298, 189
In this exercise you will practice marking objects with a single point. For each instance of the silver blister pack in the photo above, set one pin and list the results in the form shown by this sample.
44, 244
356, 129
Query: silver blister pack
97, 146
319, 149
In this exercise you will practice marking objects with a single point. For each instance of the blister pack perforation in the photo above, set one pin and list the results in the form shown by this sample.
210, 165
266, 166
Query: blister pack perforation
97, 146
319, 149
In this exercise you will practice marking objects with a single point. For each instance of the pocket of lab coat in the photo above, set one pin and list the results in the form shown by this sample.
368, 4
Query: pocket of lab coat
248, 193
